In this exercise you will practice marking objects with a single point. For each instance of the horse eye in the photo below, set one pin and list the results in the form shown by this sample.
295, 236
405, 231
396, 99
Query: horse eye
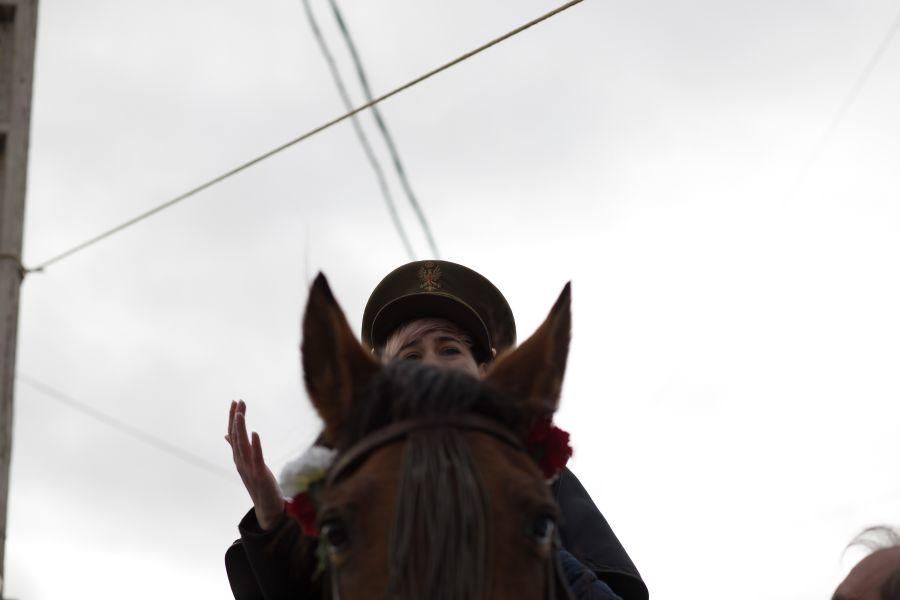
334, 534
541, 529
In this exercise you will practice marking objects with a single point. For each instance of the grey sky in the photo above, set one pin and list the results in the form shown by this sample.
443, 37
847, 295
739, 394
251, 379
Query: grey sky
733, 390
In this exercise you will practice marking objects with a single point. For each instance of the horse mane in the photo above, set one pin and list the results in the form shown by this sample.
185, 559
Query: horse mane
408, 389
442, 511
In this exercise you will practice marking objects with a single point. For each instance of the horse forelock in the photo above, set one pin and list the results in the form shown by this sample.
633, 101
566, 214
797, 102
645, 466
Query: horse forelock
439, 542
440, 536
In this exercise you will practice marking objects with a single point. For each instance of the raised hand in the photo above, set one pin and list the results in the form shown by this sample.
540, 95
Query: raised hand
268, 502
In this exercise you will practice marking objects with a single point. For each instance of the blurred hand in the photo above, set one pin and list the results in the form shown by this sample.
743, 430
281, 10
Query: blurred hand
257, 477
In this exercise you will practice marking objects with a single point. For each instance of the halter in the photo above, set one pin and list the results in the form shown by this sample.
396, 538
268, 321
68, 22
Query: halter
400, 429
556, 583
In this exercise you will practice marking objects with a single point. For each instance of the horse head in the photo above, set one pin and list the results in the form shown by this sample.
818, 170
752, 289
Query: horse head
436, 491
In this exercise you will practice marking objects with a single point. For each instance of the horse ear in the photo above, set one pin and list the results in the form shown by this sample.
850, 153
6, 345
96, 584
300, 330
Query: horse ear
533, 372
335, 364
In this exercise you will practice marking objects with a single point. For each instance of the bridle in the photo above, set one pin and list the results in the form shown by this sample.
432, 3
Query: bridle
353, 456
400, 429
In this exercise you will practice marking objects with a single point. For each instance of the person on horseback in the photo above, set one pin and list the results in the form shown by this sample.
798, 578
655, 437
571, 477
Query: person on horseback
448, 316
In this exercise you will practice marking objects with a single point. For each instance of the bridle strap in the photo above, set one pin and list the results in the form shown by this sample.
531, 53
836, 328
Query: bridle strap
386, 435
468, 422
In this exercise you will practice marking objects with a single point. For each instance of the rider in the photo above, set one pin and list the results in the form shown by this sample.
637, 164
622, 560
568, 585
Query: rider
446, 315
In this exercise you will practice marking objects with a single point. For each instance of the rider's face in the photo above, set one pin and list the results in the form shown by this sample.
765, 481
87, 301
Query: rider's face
440, 348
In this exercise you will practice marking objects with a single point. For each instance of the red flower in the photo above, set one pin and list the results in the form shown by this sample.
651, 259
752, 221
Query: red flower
550, 446
303, 510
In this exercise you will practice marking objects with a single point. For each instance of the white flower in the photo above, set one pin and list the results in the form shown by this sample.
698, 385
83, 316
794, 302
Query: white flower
309, 467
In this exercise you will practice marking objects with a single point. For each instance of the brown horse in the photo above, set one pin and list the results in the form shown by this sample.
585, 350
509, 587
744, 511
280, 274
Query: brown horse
434, 493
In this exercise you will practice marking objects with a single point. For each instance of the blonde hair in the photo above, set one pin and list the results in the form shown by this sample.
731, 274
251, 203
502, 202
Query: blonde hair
416, 329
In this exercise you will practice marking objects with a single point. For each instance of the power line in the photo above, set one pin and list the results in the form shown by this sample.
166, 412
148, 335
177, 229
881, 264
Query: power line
357, 128
850, 99
203, 186
127, 429
382, 126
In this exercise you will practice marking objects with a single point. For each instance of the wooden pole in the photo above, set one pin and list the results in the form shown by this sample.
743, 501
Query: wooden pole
18, 25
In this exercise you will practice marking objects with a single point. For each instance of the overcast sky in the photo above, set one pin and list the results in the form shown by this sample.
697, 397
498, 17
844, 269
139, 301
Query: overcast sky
733, 390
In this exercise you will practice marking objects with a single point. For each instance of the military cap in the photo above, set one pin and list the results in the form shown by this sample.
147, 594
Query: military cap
440, 289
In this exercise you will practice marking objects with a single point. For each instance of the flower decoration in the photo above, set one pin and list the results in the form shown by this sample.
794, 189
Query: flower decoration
302, 509
550, 447
300, 481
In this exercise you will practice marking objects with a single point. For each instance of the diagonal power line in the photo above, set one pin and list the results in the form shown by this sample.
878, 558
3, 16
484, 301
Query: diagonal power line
849, 99
210, 183
357, 128
382, 126
127, 429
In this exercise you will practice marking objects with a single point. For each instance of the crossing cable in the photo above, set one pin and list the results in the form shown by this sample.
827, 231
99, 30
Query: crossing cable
127, 429
849, 99
357, 128
382, 126
208, 184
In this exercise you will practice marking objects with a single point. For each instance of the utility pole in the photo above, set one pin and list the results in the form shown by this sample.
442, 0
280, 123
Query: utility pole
18, 26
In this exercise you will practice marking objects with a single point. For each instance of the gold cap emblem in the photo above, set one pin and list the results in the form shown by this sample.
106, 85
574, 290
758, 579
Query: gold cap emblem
430, 276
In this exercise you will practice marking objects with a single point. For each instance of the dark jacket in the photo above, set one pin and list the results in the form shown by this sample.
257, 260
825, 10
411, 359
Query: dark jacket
586, 534
278, 564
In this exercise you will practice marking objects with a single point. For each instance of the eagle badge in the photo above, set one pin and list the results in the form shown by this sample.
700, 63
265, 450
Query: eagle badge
430, 276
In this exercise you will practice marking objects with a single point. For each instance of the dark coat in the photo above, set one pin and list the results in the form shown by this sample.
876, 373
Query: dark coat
586, 534
278, 564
